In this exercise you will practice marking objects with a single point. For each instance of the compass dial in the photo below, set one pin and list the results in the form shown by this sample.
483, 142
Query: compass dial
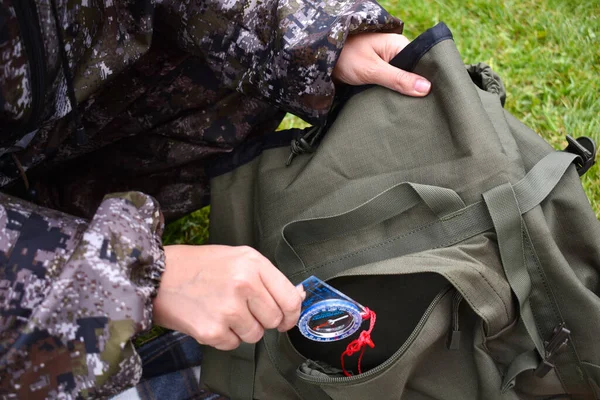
330, 320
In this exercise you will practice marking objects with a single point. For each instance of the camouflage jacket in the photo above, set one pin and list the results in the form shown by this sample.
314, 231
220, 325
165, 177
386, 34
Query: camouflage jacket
159, 87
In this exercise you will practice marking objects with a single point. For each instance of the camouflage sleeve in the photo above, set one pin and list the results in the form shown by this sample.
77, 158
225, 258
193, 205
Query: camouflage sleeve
280, 51
72, 295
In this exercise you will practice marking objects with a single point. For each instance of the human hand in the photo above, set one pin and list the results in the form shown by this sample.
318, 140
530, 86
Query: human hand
224, 295
365, 60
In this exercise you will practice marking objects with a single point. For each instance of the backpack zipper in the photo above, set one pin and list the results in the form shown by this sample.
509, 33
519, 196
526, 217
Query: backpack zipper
389, 361
454, 336
32, 37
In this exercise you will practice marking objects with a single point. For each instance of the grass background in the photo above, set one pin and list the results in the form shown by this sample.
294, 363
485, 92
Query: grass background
546, 51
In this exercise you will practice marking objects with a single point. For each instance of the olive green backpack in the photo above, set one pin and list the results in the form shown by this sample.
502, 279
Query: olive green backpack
468, 235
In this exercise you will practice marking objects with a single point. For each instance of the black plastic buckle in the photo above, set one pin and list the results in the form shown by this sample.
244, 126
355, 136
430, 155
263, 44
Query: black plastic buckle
585, 148
558, 341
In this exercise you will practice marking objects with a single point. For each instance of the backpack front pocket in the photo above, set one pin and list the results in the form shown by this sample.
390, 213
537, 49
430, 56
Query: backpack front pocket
408, 268
425, 328
387, 379
400, 303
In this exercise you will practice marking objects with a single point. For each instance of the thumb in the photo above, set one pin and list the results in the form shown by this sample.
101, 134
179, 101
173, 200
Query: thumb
401, 81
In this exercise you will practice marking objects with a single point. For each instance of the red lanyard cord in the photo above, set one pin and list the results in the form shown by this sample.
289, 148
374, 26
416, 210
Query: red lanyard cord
361, 343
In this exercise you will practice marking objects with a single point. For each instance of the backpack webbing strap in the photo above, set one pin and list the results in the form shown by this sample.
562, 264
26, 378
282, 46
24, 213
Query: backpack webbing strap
450, 228
506, 216
393, 201
538, 307
454, 223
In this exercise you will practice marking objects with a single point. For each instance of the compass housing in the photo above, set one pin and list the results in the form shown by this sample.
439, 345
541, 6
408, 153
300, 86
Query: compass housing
330, 320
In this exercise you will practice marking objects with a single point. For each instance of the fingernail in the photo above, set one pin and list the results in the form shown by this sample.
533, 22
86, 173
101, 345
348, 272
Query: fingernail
422, 86
301, 291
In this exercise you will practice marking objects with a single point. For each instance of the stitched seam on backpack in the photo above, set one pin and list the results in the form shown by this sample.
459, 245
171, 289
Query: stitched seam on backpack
463, 292
354, 232
547, 290
442, 219
527, 247
344, 235
486, 281
391, 240
388, 241
555, 309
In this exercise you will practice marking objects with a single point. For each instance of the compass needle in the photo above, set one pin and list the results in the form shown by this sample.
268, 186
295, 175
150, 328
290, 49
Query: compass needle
333, 321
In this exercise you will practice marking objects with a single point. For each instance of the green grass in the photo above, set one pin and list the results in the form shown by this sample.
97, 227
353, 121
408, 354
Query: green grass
192, 229
546, 51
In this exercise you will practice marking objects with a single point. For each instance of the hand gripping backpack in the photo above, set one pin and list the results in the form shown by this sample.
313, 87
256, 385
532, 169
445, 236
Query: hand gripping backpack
470, 237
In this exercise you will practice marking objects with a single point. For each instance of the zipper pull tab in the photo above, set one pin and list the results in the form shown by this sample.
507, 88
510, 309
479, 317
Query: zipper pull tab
453, 342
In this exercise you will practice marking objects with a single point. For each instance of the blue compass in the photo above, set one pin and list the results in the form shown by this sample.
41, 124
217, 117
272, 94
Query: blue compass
327, 314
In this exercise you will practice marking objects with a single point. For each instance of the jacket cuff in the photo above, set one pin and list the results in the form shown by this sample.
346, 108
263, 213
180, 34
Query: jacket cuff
297, 78
146, 275
82, 291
